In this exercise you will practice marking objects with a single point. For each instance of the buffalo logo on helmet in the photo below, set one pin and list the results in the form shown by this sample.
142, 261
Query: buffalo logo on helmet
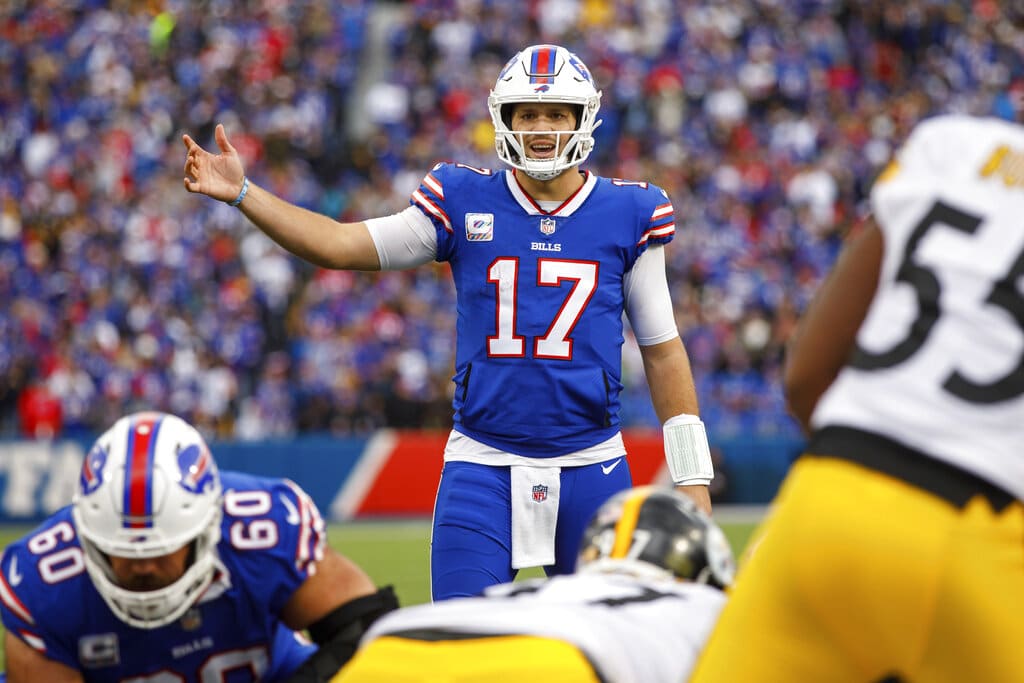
92, 469
197, 468
581, 68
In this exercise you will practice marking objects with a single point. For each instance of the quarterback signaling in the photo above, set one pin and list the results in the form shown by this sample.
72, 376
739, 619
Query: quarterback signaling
879, 559
546, 258
165, 568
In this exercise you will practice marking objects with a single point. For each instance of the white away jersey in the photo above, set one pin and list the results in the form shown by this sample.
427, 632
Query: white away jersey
939, 364
271, 535
630, 629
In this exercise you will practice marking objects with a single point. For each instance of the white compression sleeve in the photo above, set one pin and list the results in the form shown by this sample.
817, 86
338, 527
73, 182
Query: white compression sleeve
403, 239
648, 303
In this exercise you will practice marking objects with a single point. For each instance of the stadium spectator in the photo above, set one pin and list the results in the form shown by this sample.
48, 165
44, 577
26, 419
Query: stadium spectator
163, 566
546, 258
646, 592
880, 556
93, 94
39, 411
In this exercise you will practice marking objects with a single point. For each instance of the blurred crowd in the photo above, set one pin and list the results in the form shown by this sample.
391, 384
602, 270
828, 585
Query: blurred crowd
766, 121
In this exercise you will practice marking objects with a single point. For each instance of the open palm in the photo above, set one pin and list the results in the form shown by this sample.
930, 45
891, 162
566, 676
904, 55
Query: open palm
215, 175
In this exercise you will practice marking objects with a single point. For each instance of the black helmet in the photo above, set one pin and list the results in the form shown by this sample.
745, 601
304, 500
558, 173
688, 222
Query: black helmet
653, 531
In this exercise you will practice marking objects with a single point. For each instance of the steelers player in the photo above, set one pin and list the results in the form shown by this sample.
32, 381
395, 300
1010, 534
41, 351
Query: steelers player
895, 550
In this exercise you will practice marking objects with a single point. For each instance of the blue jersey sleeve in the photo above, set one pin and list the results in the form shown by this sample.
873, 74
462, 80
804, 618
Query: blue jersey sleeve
429, 198
43, 575
273, 536
434, 198
656, 222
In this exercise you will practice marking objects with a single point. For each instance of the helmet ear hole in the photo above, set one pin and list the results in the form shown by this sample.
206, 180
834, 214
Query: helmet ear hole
577, 111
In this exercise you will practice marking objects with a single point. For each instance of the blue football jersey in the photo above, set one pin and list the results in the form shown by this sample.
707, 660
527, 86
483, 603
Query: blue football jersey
540, 302
272, 533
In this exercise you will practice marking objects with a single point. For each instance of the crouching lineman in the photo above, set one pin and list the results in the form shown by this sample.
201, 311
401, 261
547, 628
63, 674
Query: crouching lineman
165, 569
647, 590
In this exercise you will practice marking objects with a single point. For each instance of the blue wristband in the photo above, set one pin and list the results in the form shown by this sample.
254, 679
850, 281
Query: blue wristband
241, 195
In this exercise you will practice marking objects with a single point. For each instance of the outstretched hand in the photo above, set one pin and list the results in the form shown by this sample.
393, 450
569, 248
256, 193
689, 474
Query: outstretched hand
215, 175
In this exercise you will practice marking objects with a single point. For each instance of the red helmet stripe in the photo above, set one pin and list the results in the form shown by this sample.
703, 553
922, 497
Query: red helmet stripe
138, 485
542, 65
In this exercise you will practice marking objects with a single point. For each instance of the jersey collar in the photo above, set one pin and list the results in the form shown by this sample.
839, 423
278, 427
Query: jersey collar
566, 208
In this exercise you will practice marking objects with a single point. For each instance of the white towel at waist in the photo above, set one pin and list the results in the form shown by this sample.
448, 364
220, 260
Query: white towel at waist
534, 514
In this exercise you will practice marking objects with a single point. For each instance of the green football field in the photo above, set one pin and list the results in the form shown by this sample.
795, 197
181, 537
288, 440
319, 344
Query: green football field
396, 552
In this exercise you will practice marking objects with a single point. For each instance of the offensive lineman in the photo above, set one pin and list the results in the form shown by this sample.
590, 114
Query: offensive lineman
165, 569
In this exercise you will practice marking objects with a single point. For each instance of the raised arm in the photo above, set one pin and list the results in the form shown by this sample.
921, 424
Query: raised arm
309, 235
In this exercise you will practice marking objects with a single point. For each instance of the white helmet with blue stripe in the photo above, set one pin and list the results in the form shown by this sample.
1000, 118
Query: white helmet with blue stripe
544, 73
149, 486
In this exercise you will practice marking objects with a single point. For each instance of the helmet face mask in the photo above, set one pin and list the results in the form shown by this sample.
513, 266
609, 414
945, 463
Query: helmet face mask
656, 533
148, 488
545, 74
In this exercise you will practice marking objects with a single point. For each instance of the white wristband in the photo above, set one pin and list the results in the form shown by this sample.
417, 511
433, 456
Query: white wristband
686, 450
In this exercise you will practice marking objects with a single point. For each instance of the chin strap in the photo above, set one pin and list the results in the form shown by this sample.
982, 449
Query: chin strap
337, 634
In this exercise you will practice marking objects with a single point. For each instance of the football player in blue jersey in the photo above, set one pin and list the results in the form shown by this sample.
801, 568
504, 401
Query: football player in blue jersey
546, 258
165, 569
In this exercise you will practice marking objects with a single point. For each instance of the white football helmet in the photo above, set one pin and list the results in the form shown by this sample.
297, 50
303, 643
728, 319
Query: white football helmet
148, 487
544, 73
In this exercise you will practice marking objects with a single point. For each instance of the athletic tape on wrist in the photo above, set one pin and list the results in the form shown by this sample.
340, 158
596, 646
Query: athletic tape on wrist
686, 450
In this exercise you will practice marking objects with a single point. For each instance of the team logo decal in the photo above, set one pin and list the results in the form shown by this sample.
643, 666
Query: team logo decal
505, 69
540, 493
581, 69
196, 466
547, 225
479, 227
92, 469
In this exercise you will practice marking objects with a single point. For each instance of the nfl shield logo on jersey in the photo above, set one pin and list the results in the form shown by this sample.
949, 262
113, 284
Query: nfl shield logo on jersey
479, 227
547, 225
540, 493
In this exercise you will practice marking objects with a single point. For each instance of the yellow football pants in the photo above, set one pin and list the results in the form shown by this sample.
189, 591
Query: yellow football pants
494, 659
860, 577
